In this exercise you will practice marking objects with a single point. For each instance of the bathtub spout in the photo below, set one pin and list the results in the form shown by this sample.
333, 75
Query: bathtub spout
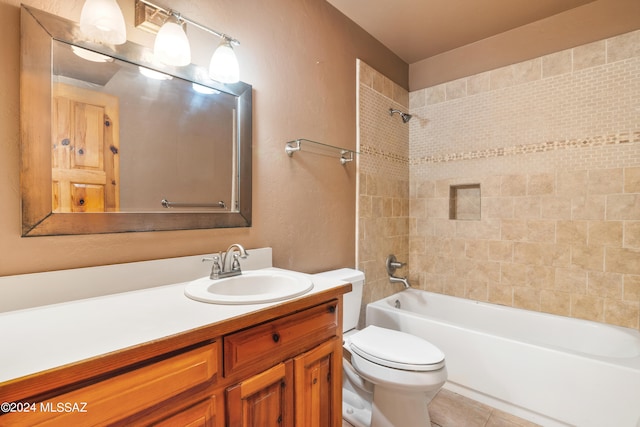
402, 280
392, 265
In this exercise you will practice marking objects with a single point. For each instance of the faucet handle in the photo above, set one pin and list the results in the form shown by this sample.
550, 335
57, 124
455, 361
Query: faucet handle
214, 258
235, 266
215, 268
392, 264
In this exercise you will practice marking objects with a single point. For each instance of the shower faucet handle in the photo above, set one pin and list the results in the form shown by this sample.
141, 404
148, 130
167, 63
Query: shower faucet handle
392, 264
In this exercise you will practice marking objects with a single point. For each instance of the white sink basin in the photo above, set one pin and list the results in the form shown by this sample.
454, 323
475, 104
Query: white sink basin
251, 287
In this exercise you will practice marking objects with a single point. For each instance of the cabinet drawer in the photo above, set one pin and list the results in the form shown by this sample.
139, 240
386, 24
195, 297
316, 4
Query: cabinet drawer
123, 395
262, 346
202, 414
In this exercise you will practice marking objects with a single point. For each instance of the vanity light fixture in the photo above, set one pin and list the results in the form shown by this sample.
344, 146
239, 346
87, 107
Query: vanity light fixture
172, 45
151, 17
102, 21
224, 64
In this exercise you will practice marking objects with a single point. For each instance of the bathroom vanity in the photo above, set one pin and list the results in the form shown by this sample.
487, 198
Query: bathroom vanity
274, 364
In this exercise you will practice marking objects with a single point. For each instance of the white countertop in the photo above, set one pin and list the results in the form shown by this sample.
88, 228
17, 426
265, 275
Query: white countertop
41, 338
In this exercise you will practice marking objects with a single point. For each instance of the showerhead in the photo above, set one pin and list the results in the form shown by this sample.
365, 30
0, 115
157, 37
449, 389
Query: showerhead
405, 117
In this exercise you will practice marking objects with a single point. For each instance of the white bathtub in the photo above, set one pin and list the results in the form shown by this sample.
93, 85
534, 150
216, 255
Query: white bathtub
551, 370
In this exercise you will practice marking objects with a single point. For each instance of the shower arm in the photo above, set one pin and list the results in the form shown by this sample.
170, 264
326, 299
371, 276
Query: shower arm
405, 116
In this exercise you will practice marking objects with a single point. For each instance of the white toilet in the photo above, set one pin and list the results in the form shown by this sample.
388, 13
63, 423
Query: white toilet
392, 375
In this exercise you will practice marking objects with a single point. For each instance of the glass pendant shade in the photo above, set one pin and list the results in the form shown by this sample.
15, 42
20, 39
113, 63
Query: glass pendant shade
90, 55
153, 74
224, 64
172, 45
102, 20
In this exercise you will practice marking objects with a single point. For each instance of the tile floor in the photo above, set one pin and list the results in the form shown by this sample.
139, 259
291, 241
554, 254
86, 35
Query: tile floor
449, 409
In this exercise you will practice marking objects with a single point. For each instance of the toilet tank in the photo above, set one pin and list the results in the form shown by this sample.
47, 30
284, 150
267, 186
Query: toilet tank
351, 300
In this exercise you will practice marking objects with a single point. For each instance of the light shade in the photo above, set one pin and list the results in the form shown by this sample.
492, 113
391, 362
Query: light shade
153, 74
90, 55
224, 64
205, 90
172, 46
102, 20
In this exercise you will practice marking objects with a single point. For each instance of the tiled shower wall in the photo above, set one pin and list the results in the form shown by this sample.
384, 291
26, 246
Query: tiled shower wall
555, 145
383, 174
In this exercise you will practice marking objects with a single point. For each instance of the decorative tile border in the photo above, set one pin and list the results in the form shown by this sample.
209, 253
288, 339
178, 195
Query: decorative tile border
620, 138
386, 155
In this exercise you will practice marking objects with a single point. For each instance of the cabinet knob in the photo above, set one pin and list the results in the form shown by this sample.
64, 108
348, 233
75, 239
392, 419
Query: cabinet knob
276, 337
332, 309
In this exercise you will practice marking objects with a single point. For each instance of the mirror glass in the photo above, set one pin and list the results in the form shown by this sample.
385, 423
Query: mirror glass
121, 143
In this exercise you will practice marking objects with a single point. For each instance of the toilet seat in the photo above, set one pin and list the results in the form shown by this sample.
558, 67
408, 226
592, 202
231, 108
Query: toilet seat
395, 349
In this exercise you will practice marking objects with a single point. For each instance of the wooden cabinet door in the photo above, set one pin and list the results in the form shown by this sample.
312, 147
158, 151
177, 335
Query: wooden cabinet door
318, 380
85, 147
264, 400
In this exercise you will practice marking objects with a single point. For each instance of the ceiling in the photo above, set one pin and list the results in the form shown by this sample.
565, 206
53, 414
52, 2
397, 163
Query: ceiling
419, 29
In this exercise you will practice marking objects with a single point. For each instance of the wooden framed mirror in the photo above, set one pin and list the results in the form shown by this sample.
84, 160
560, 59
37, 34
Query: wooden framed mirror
108, 149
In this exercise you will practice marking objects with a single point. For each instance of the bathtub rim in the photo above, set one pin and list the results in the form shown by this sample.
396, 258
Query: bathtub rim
594, 369
629, 362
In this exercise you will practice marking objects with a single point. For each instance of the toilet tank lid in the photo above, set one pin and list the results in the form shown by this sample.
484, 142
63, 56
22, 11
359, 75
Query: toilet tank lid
345, 274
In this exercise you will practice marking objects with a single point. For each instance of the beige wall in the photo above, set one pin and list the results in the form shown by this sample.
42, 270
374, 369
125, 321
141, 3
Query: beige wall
593, 21
554, 143
300, 57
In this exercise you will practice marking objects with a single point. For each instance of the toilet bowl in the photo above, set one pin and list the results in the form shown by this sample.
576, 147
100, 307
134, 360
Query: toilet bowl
389, 376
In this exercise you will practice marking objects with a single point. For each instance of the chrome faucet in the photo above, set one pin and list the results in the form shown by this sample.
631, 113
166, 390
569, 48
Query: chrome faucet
403, 280
219, 270
393, 264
